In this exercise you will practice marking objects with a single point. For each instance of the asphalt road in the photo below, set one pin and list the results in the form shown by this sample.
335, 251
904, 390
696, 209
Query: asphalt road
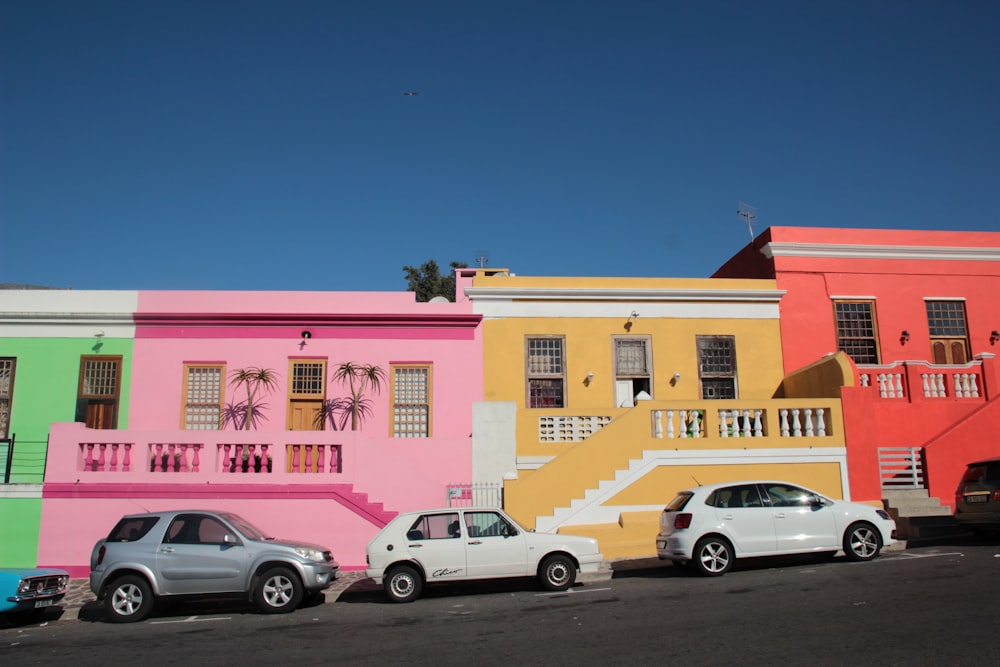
932, 605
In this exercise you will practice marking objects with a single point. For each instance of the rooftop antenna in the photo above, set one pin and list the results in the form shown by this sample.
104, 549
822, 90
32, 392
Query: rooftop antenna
482, 258
749, 214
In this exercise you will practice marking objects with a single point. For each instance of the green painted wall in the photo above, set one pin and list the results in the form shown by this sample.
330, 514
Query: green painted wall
45, 389
19, 522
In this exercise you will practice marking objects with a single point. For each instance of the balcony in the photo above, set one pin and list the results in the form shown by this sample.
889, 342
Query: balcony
916, 381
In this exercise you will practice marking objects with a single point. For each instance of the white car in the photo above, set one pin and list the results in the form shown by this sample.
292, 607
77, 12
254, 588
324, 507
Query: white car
711, 526
459, 544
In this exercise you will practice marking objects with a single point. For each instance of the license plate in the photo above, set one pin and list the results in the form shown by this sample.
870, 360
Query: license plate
976, 499
661, 545
44, 603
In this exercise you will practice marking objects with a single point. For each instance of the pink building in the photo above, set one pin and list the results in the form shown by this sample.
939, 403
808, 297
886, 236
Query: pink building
301, 470
918, 313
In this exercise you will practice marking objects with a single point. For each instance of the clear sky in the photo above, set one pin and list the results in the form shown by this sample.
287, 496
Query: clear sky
268, 144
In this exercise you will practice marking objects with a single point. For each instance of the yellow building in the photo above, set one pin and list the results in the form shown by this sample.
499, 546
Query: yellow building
603, 397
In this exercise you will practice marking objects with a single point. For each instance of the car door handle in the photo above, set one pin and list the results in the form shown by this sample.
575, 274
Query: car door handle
727, 517
416, 546
167, 550
476, 542
779, 515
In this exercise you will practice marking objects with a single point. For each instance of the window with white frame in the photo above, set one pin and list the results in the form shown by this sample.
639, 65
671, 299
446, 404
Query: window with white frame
545, 371
633, 363
717, 366
411, 400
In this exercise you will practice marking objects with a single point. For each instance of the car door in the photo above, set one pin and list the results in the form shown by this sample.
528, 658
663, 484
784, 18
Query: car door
744, 518
496, 547
200, 554
435, 540
802, 522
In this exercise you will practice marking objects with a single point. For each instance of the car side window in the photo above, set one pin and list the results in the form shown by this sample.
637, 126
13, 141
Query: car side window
742, 496
196, 529
434, 527
785, 495
130, 530
488, 524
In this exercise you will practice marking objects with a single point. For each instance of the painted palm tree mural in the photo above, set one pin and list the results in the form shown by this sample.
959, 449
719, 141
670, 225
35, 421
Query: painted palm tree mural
256, 382
359, 379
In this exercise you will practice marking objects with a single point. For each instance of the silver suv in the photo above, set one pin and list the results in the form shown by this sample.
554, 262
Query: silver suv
188, 552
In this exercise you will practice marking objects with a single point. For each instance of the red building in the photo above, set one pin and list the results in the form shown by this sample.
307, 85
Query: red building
918, 313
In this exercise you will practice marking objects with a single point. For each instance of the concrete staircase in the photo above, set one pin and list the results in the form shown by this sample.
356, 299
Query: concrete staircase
918, 516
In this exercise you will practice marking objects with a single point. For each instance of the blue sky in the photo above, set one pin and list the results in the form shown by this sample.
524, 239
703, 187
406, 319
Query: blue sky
268, 145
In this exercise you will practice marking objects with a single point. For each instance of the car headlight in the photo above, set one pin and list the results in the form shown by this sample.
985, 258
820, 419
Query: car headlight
310, 554
23, 587
883, 514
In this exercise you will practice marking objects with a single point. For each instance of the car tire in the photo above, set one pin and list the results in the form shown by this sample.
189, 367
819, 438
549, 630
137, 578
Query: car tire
713, 556
557, 572
862, 542
403, 584
278, 591
129, 599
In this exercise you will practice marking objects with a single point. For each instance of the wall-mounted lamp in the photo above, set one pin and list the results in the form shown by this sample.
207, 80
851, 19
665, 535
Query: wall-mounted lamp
674, 380
100, 334
994, 337
306, 335
903, 337
632, 317
587, 380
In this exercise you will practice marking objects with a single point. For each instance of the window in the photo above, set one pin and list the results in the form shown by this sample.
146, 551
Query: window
545, 372
632, 368
949, 334
7, 365
306, 394
717, 366
411, 401
203, 397
434, 527
856, 330
97, 395
196, 529
488, 524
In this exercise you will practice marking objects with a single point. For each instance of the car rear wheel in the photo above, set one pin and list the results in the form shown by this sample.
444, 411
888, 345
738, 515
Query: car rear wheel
129, 599
713, 556
403, 584
557, 573
862, 542
278, 591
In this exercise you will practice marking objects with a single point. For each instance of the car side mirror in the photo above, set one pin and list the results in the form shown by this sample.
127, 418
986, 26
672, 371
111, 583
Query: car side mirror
229, 538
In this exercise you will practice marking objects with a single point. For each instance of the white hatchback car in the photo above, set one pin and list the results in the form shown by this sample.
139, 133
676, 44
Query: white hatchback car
711, 526
458, 544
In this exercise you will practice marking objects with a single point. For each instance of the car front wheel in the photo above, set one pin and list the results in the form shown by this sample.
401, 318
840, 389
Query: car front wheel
862, 542
278, 591
557, 573
403, 584
713, 556
129, 599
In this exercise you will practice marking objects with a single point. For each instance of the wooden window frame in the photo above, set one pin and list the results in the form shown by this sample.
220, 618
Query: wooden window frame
529, 375
7, 395
944, 345
394, 420
873, 323
186, 403
84, 399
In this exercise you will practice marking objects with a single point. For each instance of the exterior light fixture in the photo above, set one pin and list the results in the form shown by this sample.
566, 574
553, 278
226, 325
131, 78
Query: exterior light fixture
632, 317
903, 337
994, 337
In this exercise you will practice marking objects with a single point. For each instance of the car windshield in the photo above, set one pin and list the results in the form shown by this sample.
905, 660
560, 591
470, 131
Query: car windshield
248, 529
678, 503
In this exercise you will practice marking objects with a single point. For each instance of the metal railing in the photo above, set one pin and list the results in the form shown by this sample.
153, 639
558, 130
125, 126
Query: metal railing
476, 494
901, 467
27, 466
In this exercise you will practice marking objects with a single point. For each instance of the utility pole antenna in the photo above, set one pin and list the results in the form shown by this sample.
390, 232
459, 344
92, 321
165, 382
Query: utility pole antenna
749, 214
482, 258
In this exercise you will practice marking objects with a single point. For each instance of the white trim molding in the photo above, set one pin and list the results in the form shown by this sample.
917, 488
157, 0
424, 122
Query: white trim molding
859, 251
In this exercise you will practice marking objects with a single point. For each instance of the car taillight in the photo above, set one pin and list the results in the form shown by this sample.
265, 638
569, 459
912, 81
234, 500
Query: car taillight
682, 520
100, 554
996, 495
959, 497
